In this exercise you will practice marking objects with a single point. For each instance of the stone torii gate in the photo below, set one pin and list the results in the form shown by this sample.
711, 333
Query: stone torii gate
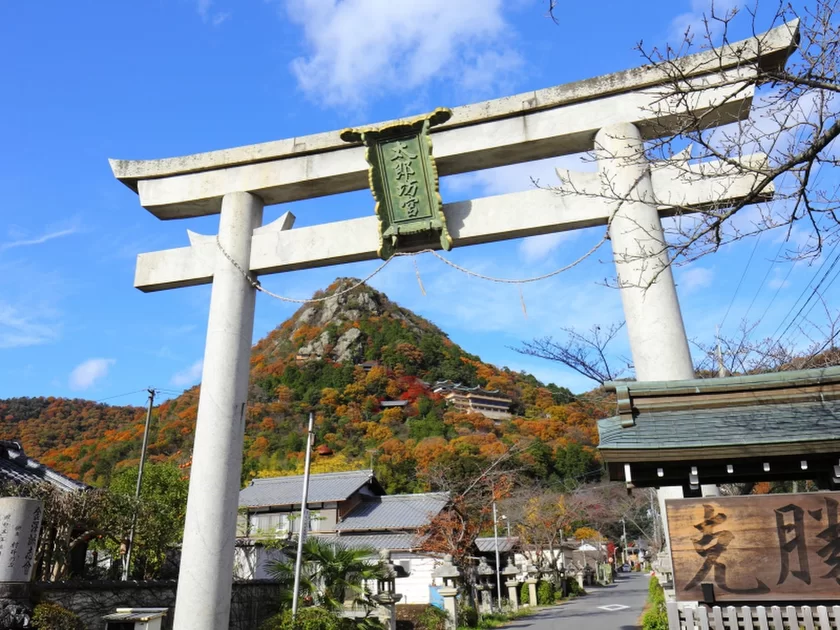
614, 114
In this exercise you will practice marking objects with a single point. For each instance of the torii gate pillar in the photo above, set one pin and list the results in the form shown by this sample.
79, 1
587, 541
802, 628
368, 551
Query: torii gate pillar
205, 578
651, 307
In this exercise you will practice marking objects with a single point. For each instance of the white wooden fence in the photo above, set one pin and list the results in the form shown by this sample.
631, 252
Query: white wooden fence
753, 618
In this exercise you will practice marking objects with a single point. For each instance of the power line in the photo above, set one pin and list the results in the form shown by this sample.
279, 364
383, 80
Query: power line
814, 292
764, 280
741, 281
136, 391
801, 295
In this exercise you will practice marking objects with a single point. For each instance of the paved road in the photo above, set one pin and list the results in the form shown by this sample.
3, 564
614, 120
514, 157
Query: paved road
586, 613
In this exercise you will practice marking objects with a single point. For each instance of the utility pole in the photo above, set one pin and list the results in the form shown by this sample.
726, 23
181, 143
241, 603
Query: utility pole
498, 562
624, 540
129, 547
304, 513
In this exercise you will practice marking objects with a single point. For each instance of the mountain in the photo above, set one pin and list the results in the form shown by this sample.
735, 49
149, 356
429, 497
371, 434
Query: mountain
341, 357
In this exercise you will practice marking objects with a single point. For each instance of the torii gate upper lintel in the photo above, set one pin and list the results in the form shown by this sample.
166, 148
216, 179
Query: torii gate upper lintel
612, 114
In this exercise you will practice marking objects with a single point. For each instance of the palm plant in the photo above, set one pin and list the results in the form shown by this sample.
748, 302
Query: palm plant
331, 574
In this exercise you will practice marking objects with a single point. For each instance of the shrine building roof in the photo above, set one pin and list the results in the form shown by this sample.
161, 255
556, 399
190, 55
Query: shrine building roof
748, 420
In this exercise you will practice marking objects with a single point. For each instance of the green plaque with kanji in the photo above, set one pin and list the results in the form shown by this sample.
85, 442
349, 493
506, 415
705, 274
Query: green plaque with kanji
404, 183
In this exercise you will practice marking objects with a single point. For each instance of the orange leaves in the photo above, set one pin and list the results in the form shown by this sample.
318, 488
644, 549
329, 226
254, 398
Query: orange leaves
429, 450
330, 397
304, 334
392, 416
587, 533
258, 447
377, 432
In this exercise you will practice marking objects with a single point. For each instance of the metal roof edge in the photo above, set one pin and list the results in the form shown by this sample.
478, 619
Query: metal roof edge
770, 380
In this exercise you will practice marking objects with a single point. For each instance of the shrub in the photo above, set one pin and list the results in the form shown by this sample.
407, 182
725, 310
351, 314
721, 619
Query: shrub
431, 619
467, 617
524, 594
545, 593
655, 591
655, 617
575, 589
307, 619
55, 617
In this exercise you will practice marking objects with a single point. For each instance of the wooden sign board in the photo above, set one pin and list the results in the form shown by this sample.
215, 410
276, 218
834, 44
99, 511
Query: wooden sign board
758, 547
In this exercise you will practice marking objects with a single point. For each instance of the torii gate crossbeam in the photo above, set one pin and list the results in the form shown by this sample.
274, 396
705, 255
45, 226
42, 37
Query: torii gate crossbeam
612, 114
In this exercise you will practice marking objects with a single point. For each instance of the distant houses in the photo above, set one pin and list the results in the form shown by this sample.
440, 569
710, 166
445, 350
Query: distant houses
488, 402
349, 508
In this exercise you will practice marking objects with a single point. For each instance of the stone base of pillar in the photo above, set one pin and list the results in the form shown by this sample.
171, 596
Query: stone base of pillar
512, 594
450, 605
532, 591
486, 602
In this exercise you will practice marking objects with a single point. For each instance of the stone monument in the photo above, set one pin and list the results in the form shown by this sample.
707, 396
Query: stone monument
20, 527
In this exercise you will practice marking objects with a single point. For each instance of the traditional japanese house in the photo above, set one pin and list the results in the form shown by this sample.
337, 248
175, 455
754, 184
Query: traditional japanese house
489, 403
348, 508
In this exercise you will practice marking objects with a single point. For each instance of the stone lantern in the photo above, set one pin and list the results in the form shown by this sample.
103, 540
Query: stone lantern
510, 572
533, 575
485, 577
386, 595
448, 574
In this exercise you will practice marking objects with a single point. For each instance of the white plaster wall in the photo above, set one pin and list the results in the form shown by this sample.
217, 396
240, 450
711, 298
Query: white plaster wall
251, 563
415, 587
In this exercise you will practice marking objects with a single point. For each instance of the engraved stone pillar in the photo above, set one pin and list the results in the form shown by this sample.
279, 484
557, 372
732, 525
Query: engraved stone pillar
20, 527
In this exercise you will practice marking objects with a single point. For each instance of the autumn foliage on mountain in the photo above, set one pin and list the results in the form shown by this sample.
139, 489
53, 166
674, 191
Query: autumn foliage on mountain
340, 358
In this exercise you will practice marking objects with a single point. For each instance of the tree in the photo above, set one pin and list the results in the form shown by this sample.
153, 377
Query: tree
160, 514
330, 574
586, 353
794, 120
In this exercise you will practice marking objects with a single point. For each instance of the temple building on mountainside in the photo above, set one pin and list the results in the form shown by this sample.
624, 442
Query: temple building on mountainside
490, 403
18, 468
348, 508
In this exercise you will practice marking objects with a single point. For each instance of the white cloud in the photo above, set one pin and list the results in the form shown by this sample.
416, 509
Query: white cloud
85, 375
21, 241
358, 48
692, 278
19, 330
208, 16
692, 22
536, 248
188, 376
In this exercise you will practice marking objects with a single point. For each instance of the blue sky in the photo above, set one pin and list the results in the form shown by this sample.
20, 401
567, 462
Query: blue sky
91, 80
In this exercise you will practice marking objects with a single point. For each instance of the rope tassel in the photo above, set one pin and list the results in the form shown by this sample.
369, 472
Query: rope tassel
522, 301
417, 273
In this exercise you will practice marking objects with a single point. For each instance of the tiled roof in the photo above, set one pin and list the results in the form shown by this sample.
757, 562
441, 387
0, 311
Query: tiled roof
398, 511
322, 488
458, 387
745, 411
394, 542
486, 545
17, 467
752, 425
